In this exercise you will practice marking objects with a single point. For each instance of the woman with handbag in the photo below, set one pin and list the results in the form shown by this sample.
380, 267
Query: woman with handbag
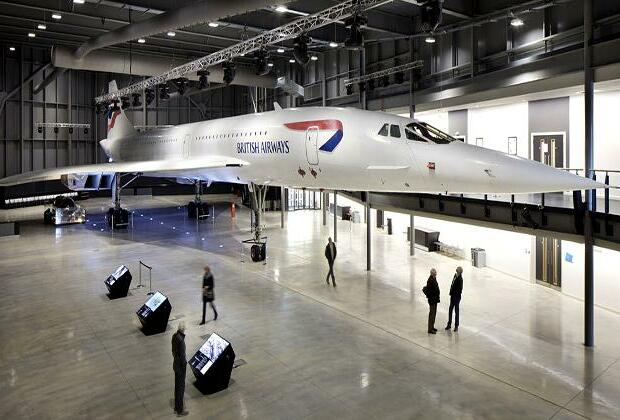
208, 295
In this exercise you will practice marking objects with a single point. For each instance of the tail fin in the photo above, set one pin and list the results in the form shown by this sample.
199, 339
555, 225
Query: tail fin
118, 124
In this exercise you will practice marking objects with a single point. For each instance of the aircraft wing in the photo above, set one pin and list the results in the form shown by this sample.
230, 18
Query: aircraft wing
162, 168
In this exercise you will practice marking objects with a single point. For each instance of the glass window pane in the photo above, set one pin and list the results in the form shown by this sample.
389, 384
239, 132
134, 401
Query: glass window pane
395, 130
384, 130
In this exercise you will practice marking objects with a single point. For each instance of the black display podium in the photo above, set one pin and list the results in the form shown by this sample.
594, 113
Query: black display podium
154, 314
118, 282
212, 365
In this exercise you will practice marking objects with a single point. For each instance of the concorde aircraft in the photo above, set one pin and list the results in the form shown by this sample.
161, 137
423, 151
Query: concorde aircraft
312, 147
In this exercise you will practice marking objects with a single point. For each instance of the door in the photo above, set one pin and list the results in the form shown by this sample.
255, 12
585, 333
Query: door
549, 261
548, 148
186, 144
312, 150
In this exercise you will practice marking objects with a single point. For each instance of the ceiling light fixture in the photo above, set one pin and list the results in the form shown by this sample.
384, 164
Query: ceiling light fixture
41, 26
314, 58
214, 24
291, 60
11, 48
78, 1
270, 64
56, 16
281, 9
333, 44
280, 50
141, 40
430, 39
171, 34
516, 22
31, 34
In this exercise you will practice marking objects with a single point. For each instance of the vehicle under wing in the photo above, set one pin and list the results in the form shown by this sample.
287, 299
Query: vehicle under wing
95, 176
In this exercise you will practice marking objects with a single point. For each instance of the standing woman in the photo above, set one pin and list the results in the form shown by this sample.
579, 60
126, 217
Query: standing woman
208, 294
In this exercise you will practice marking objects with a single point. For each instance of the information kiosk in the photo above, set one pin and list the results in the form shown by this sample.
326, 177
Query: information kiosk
154, 314
118, 282
212, 364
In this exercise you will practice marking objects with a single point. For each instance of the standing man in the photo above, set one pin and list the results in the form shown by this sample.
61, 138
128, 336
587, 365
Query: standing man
455, 298
431, 290
208, 294
179, 365
330, 254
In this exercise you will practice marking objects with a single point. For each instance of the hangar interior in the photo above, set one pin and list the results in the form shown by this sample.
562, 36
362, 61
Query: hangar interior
541, 299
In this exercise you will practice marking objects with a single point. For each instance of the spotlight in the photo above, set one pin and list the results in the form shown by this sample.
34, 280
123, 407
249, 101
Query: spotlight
31, 34
163, 91
203, 79
171, 34
56, 16
229, 72
262, 62
291, 60
399, 77
314, 58
115, 106
300, 49
125, 102
70, 130
41, 26
136, 99
214, 24
431, 13
181, 84
333, 44
85, 130
39, 129
430, 39
141, 40
281, 9
370, 84
349, 89
78, 1
356, 37
516, 22
11, 49
280, 50
55, 130
149, 95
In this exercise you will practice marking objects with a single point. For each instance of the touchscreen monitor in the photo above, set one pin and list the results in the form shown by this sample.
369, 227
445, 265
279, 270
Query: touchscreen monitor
155, 300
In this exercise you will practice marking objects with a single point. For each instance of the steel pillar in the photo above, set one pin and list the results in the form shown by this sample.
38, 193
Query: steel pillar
335, 216
589, 165
282, 198
412, 235
368, 235
325, 198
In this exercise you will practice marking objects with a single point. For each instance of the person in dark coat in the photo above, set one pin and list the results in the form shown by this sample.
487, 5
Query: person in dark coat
455, 298
179, 365
208, 294
431, 290
330, 254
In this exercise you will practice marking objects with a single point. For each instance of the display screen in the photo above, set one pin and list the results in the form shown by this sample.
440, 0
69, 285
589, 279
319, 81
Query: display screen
208, 353
155, 300
119, 272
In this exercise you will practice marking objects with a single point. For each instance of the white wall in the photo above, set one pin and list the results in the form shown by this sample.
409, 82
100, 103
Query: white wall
496, 123
606, 281
606, 134
437, 119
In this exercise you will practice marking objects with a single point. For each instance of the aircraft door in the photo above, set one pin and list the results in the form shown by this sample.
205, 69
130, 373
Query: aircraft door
186, 143
312, 151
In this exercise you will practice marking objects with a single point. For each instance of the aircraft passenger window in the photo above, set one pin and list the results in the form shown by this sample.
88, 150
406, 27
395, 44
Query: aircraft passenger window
384, 130
395, 131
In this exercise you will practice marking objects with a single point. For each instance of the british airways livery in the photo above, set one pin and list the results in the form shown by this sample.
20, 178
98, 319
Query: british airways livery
314, 147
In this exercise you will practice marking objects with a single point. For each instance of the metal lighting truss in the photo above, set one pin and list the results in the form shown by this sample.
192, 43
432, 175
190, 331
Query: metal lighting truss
61, 125
274, 36
381, 73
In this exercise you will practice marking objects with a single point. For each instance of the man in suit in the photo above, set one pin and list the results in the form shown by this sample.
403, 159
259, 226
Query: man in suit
431, 290
455, 298
179, 365
330, 254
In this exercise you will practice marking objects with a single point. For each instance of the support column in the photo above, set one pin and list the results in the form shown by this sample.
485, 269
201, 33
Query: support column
282, 199
412, 237
588, 274
335, 216
325, 198
368, 234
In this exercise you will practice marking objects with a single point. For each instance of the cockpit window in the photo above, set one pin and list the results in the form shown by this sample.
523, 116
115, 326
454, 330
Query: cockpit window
384, 130
395, 130
421, 131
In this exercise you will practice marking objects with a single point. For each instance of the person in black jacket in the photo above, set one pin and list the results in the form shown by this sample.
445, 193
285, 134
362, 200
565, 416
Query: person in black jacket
179, 365
208, 294
455, 298
330, 254
431, 290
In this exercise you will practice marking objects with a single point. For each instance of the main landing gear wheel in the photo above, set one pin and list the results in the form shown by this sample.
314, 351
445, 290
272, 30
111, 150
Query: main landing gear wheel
258, 250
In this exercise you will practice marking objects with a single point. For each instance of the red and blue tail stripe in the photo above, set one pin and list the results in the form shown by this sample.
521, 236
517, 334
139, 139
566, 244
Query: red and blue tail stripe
112, 115
333, 141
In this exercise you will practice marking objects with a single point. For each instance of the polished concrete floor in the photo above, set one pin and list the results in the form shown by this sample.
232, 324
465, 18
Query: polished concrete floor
312, 351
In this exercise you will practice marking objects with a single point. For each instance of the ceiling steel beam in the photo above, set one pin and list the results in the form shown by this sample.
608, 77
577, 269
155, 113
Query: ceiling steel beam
273, 36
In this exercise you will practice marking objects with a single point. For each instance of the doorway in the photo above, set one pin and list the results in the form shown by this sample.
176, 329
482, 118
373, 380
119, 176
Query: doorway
312, 151
550, 149
186, 141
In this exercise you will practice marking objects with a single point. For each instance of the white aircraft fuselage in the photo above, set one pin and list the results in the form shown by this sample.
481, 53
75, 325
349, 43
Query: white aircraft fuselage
339, 149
